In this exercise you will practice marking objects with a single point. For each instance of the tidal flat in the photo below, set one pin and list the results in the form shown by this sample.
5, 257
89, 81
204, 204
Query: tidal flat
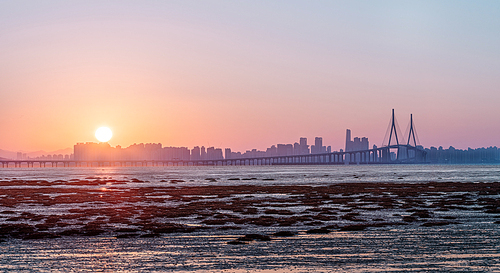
98, 223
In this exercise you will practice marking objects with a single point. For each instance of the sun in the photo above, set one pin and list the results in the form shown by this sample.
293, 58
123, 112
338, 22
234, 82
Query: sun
103, 134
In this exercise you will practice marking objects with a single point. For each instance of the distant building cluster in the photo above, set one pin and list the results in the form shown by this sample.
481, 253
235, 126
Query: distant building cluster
148, 151
357, 144
298, 148
456, 156
155, 151
24, 156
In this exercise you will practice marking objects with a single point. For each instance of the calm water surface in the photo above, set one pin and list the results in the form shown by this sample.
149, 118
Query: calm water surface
282, 174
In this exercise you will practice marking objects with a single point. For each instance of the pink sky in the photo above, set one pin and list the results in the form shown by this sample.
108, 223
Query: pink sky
247, 74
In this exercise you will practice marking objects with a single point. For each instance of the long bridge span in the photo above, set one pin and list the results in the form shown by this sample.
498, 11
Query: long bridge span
395, 152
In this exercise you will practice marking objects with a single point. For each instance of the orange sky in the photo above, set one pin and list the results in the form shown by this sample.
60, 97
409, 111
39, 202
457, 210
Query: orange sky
247, 75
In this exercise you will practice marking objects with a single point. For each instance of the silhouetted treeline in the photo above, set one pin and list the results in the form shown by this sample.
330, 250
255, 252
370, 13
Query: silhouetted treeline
457, 156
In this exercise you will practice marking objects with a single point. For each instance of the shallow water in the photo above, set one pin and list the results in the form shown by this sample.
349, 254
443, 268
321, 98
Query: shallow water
401, 249
473, 244
281, 174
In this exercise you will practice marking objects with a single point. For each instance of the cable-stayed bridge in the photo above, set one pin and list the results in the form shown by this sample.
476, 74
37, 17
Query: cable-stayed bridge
399, 149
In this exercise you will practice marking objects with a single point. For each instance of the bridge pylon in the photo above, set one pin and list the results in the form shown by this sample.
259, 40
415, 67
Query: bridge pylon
394, 130
393, 137
405, 146
412, 141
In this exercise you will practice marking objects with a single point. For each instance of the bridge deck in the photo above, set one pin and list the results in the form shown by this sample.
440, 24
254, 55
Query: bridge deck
384, 155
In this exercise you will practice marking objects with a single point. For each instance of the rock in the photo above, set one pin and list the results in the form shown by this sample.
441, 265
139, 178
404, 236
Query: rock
173, 181
150, 235
71, 232
229, 228
213, 222
258, 237
278, 211
237, 242
283, 234
437, 224
353, 228
245, 239
318, 231
93, 232
422, 214
127, 230
39, 235
127, 235
409, 218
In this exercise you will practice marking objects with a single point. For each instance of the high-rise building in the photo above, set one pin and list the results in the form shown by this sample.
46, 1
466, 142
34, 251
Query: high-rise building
153, 151
214, 153
318, 147
364, 143
203, 154
284, 149
218, 154
271, 151
91, 151
195, 153
304, 148
318, 142
356, 145
296, 149
210, 153
176, 153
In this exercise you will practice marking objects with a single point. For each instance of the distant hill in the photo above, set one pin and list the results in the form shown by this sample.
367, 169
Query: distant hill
7, 154
13, 155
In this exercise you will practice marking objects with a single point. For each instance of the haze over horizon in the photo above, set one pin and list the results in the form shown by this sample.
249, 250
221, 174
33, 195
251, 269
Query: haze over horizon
247, 74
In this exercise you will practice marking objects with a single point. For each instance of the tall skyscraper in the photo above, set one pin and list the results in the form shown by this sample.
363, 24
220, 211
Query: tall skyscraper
318, 147
195, 153
271, 151
304, 148
318, 141
347, 140
203, 153
296, 149
356, 145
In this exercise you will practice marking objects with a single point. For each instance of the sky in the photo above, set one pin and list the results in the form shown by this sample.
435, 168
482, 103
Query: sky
247, 74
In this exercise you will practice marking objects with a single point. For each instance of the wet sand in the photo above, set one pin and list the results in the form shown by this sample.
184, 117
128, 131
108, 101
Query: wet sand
37, 209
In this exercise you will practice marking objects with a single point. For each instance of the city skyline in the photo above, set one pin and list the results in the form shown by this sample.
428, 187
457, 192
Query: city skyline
247, 74
298, 148
196, 153
299, 152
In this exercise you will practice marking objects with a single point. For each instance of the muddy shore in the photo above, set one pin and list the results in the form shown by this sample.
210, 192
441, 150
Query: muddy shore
39, 209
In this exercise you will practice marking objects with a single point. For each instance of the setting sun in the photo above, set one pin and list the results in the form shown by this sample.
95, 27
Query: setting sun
103, 134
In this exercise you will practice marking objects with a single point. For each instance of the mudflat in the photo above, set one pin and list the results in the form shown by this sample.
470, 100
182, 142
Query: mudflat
39, 209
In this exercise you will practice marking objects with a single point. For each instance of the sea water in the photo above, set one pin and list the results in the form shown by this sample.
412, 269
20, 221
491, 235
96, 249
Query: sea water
471, 246
302, 175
